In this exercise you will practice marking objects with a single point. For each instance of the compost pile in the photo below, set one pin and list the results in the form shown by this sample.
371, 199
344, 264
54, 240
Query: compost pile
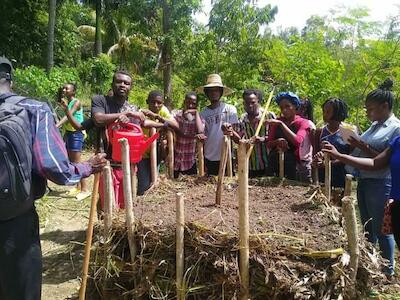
298, 246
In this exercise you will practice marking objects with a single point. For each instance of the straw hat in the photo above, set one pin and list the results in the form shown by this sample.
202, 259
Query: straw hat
214, 80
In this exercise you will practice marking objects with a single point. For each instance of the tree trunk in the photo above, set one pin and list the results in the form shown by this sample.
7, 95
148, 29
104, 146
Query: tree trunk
166, 54
50, 35
97, 43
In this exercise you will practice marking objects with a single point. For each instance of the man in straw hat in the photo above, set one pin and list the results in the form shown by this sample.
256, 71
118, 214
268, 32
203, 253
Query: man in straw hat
215, 115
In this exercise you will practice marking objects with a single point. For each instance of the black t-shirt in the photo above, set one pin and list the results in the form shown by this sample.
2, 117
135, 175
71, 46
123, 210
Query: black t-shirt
108, 105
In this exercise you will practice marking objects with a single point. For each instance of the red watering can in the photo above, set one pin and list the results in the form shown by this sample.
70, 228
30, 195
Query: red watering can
136, 140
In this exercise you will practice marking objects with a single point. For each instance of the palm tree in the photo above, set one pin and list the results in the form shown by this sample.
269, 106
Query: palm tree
98, 49
126, 42
98, 5
50, 35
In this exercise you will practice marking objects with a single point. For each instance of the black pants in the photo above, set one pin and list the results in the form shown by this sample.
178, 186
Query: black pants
396, 222
144, 176
20, 258
191, 171
257, 173
290, 164
212, 167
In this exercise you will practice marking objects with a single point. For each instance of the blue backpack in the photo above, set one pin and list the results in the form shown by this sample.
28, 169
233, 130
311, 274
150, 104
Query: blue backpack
16, 195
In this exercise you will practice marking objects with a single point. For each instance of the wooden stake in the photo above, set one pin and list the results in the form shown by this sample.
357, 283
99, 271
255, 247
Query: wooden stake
108, 199
153, 158
349, 214
229, 171
180, 231
200, 158
221, 171
130, 218
347, 186
281, 164
134, 182
89, 235
328, 173
243, 173
264, 114
170, 141
316, 174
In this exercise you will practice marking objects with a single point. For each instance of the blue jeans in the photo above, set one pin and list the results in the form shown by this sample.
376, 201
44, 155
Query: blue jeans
372, 195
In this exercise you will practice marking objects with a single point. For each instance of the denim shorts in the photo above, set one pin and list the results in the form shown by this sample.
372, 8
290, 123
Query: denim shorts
74, 140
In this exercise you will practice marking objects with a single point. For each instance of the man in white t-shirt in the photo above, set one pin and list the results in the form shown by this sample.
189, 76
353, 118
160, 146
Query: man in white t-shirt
215, 115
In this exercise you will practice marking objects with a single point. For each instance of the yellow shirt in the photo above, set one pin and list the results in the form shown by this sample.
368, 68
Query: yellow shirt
165, 113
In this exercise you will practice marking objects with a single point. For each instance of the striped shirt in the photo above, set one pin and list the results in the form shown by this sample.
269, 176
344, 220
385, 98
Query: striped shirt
259, 156
49, 157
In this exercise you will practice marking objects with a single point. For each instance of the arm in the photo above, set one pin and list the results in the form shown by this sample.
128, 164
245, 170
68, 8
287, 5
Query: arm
172, 123
102, 119
149, 124
199, 123
70, 117
364, 147
69, 112
50, 156
379, 162
62, 121
293, 138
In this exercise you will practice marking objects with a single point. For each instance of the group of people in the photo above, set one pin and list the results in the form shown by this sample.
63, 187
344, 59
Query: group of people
293, 133
375, 155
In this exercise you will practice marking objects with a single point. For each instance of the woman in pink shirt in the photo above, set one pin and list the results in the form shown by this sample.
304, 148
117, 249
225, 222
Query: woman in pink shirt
286, 133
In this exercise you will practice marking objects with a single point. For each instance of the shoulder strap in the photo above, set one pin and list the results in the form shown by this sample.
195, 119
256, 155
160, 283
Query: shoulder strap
13, 99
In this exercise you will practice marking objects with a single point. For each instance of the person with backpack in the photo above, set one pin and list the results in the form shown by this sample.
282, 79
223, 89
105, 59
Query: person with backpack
31, 151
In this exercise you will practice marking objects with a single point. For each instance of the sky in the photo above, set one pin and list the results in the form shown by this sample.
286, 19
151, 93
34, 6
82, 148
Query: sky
296, 12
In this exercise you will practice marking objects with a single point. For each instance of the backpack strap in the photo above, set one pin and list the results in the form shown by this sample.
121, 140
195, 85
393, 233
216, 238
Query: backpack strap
11, 98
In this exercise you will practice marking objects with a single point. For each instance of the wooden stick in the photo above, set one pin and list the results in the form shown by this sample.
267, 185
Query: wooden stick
130, 218
134, 182
89, 235
349, 214
281, 163
316, 174
170, 141
108, 199
328, 173
229, 171
260, 123
200, 158
153, 158
243, 173
180, 231
347, 186
221, 171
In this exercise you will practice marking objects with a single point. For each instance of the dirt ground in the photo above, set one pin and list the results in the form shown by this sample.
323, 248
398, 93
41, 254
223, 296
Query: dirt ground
286, 210
63, 224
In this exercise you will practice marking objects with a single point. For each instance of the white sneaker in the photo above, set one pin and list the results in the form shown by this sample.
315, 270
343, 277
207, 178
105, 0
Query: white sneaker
82, 195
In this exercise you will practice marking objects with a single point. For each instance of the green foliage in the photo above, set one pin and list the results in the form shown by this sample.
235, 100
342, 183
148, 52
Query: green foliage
68, 42
34, 81
342, 54
96, 75
23, 30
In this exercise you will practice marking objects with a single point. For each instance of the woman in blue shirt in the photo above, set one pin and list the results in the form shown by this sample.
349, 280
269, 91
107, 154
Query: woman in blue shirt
334, 113
389, 158
376, 149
